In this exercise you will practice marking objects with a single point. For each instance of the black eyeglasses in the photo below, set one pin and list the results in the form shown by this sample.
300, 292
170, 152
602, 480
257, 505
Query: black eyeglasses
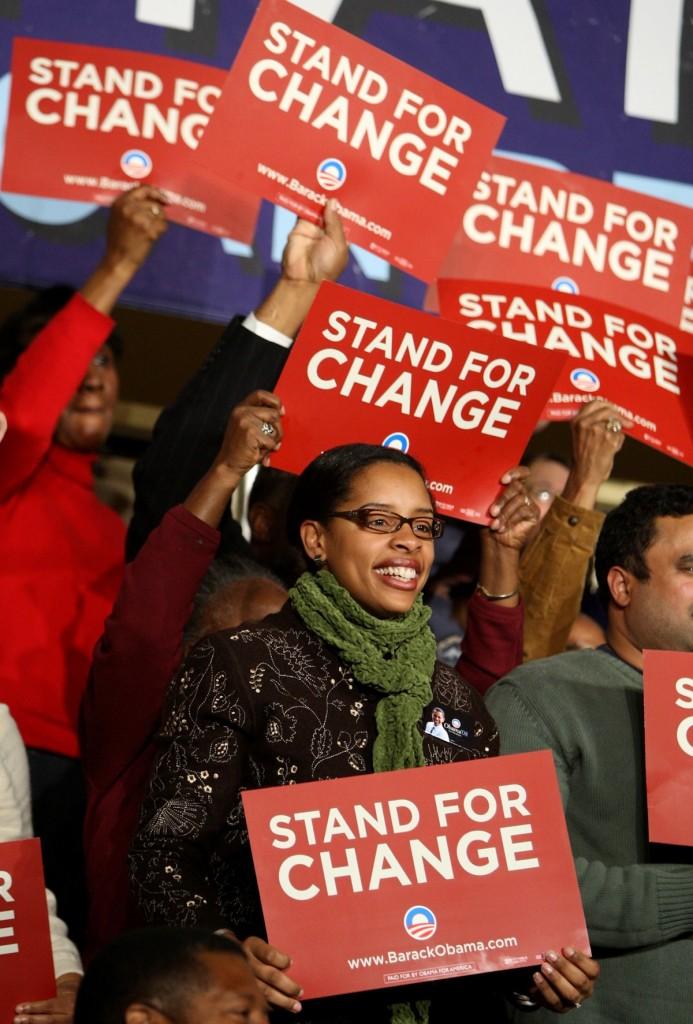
425, 527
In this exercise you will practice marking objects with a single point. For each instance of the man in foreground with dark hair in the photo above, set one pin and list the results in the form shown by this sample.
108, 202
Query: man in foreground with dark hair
187, 976
587, 707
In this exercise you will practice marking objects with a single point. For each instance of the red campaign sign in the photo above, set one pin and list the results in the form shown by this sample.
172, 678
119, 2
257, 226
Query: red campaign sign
686, 323
462, 402
317, 113
440, 872
89, 122
641, 365
554, 229
26, 959
668, 688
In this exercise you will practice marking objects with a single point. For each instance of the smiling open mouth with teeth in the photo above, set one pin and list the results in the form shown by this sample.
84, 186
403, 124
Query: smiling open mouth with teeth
403, 572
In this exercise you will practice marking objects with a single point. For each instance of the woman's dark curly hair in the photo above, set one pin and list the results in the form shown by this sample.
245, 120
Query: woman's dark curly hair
19, 329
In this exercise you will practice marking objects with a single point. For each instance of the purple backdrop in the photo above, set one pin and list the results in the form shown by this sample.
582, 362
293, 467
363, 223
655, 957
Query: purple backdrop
602, 89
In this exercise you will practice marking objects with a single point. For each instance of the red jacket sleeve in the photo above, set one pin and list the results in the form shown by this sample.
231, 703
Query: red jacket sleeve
45, 378
142, 644
492, 644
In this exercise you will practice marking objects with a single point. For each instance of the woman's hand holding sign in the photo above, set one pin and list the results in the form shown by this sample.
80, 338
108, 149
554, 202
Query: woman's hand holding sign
515, 515
269, 965
597, 433
136, 220
58, 1010
563, 981
312, 254
253, 431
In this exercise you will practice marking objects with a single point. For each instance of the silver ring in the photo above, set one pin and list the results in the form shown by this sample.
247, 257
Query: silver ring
527, 501
613, 425
155, 209
267, 429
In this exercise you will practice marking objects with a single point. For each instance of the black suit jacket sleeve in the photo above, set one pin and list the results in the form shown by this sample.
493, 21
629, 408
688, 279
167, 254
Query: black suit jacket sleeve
188, 433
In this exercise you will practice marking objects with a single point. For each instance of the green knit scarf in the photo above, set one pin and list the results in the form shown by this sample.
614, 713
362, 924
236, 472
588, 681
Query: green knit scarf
395, 657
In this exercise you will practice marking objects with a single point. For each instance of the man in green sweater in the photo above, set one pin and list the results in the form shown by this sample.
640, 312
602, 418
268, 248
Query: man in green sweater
587, 707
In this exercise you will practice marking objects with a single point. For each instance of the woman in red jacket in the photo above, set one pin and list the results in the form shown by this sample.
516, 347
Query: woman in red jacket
62, 550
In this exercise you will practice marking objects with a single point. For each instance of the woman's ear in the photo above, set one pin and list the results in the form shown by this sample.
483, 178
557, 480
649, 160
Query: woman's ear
313, 540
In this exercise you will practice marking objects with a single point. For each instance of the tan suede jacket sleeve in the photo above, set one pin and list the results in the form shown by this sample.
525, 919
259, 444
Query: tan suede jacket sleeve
553, 570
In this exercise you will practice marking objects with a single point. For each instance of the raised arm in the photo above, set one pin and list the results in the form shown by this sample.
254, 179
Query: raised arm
492, 644
554, 567
49, 371
250, 355
142, 644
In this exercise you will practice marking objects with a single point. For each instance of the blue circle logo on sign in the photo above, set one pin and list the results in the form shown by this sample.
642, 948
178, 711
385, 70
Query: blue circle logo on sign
136, 163
331, 174
584, 380
397, 440
420, 923
565, 284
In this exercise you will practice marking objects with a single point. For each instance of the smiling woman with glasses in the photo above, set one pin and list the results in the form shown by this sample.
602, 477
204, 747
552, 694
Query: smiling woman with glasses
341, 682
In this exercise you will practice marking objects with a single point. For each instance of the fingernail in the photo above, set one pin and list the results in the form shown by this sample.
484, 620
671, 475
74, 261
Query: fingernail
296, 1008
537, 978
569, 951
494, 509
546, 968
553, 957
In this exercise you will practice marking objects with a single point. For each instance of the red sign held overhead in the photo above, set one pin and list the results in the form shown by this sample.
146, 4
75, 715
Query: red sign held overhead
463, 402
26, 959
89, 122
317, 113
532, 225
639, 364
668, 685
439, 872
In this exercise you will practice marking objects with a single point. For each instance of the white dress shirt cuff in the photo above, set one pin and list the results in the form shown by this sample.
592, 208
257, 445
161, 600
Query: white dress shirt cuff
266, 332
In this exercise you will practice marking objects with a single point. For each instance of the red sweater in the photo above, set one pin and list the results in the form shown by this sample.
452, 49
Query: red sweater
137, 655
62, 550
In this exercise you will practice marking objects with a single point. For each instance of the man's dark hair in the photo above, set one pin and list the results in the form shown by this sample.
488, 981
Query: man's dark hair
19, 329
161, 967
326, 481
629, 529
273, 487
